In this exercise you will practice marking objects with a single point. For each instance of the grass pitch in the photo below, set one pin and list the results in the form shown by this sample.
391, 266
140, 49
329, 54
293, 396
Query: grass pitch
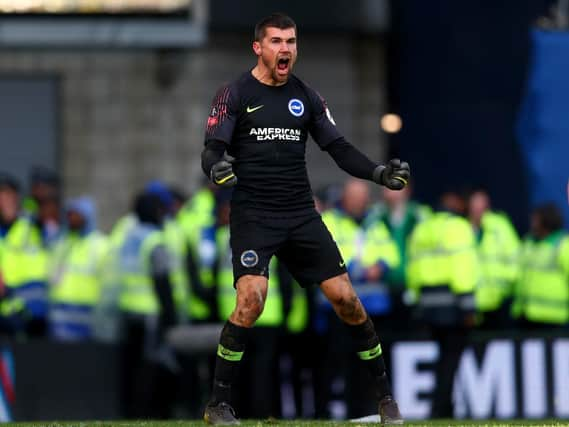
292, 423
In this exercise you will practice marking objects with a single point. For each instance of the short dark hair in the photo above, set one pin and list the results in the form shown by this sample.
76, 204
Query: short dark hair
148, 208
276, 20
8, 182
549, 216
44, 175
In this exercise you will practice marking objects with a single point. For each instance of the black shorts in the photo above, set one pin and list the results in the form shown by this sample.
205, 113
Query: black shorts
302, 243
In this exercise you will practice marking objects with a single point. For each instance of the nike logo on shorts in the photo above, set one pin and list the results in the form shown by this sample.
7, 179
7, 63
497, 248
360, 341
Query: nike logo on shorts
342, 263
251, 109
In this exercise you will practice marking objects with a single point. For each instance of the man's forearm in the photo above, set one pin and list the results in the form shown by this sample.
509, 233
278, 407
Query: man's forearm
211, 154
351, 160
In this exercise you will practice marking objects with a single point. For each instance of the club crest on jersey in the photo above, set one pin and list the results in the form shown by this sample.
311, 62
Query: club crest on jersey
296, 107
249, 258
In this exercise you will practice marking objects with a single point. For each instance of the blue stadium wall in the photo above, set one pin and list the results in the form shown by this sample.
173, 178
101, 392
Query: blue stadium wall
543, 122
457, 77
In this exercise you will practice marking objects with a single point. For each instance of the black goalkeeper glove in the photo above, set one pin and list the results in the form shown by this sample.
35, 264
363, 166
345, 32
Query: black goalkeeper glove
394, 175
222, 172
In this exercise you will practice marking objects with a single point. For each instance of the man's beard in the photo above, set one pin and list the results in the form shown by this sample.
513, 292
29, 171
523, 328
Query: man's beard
274, 71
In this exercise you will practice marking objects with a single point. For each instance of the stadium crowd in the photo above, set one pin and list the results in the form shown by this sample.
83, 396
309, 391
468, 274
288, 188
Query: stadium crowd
442, 270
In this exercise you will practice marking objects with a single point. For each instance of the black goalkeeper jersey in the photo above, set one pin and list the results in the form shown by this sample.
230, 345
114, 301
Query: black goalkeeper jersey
266, 128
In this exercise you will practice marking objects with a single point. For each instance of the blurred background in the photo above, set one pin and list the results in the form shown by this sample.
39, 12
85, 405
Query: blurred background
103, 105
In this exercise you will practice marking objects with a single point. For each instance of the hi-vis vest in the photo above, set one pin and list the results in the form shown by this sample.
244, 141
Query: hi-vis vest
542, 292
197, 213
361, 249
173, 239
297, 319
121, 229
443, 268
23, 264
378, 247
498, 251
177, 247
76, 272
399, 230
226, 295
137, 295
347, 234
195, 218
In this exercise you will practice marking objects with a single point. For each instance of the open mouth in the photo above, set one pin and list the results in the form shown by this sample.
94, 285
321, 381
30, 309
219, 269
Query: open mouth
282, 65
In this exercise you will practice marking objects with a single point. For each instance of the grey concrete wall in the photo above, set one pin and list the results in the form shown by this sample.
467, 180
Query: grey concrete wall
120, 128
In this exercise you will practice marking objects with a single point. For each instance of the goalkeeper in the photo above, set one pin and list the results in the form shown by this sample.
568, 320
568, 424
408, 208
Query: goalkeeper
255, 140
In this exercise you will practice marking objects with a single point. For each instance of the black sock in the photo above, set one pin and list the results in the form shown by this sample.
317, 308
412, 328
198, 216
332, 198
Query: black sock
229, 353
369, 352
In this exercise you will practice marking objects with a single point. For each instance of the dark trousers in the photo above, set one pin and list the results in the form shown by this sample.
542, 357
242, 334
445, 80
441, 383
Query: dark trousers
451, 341
148, 388
300, 349
399, 320
330, 366
256, 394
498, 319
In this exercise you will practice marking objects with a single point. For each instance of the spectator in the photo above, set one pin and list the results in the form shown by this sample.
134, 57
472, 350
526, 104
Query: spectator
442, 272
542, 291
24, 258
147, 303
179, 199
197, 221
77, 267
44, 184
178, 248
400, 214
498, 247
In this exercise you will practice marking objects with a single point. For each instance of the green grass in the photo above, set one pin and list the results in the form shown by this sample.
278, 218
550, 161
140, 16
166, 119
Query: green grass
300, 423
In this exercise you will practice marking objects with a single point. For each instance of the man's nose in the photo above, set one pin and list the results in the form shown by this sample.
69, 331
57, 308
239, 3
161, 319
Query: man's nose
284, 47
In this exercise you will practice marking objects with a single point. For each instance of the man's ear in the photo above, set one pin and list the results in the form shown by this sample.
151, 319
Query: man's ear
257, 48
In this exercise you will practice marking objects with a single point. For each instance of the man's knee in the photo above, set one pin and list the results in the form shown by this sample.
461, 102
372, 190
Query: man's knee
343, 294
251, 293
344, 299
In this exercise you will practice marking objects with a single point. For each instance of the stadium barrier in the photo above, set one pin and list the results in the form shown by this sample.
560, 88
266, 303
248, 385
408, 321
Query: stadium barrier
500, 376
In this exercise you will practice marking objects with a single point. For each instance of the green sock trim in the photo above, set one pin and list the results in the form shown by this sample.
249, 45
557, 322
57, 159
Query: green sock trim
232, 356
371, 353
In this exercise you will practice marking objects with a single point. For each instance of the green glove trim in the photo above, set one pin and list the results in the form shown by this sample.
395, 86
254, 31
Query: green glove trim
403, 180
224, 180
232, 356
370, 354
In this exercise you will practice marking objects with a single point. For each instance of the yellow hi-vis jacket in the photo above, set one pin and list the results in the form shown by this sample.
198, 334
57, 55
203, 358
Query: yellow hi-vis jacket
137, 295
76, 271
197, 215
24, 265
443, 268
177, 247
498, 251
542, 291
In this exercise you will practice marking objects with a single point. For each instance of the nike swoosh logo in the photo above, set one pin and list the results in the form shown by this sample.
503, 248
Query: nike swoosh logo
342, 263
251, 109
